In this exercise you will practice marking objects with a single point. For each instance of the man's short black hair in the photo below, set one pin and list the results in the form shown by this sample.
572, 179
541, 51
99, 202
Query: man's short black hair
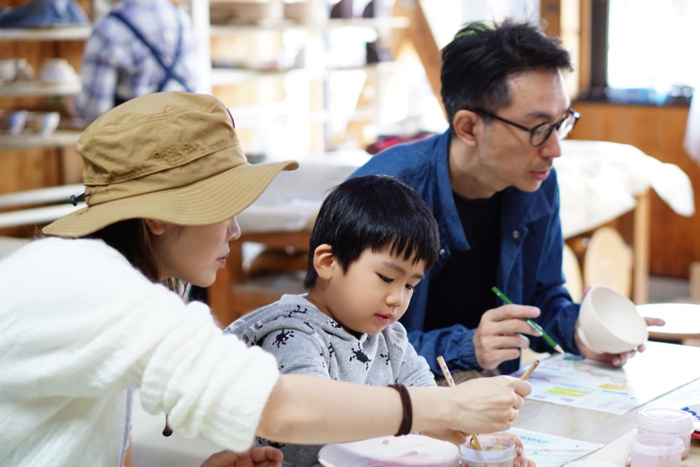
483, 55
377, 212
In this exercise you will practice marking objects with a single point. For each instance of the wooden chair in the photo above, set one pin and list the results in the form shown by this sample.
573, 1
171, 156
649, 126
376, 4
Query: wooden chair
608, 261
239, 290
572, 272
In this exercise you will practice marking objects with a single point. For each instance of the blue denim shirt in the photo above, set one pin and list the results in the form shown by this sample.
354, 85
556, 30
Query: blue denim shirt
530, 264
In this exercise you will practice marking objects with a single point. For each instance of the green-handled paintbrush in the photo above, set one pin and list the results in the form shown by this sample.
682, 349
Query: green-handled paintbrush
532, 324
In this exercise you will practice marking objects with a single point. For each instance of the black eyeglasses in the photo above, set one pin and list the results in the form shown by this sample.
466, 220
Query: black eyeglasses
540, 133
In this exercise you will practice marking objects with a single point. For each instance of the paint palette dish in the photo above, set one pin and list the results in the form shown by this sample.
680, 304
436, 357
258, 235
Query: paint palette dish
386, 451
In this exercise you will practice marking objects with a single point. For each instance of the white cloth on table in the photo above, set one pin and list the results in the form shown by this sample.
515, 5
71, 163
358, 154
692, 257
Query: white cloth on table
293, 199
599, 180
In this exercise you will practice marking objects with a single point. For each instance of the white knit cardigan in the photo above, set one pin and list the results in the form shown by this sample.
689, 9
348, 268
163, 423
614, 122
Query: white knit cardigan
79, 327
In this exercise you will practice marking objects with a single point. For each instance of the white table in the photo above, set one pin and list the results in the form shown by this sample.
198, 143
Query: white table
614, 430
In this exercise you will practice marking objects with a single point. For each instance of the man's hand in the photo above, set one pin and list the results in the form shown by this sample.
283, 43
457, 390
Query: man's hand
613, 359
499, 335
254, 457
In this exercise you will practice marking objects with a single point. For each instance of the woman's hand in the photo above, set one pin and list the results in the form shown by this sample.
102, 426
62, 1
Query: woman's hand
254, 457
487, 405
451, 436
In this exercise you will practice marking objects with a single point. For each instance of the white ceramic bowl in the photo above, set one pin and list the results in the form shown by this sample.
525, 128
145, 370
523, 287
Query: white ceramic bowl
609, 322
245, 11
57, 70
8, 69
306, 11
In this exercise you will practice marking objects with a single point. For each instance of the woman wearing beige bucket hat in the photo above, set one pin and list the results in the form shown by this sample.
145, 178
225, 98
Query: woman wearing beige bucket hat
86, 316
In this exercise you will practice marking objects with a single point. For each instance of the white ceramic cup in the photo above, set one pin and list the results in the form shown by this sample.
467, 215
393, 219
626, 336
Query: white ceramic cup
609, 322
498, 452
655, 450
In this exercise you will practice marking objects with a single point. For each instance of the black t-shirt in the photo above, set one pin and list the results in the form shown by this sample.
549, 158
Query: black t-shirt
461, 292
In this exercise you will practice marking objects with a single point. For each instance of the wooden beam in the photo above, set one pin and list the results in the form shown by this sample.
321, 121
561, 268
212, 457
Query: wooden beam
420, 35
642, 223
584, 65
550, 12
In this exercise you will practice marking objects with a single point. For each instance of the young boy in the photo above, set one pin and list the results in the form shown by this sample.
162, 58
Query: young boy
373, 240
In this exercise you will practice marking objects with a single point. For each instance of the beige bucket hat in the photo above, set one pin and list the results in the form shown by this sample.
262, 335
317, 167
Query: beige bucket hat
170, 156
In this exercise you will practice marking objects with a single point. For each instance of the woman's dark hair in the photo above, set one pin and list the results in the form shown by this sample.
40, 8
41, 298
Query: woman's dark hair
131, 239
483, 55
374, 211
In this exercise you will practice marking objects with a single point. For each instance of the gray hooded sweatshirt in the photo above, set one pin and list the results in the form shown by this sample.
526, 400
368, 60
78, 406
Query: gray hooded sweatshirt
306, 341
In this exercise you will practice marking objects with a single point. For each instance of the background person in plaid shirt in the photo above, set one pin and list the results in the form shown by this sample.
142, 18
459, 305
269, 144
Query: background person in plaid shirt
140, 47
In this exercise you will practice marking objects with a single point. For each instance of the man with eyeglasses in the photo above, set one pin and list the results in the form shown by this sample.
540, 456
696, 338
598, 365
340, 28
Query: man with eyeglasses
490, 183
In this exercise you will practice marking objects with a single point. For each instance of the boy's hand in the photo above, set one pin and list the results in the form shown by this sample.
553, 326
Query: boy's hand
255, 457
520, 460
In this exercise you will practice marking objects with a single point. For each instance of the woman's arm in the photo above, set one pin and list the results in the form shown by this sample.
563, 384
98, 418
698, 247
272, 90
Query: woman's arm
304, 409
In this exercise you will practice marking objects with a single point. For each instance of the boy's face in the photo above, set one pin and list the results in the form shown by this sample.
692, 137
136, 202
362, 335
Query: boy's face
373, 293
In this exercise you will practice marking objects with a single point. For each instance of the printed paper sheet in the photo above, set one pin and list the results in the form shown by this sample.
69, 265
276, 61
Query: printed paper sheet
552, 451
573, 381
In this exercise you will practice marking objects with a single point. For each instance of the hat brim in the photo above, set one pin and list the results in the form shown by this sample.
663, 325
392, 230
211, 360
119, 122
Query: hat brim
205, 202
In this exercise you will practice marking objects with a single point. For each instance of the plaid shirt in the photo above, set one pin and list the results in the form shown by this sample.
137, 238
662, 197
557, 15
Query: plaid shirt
116, 63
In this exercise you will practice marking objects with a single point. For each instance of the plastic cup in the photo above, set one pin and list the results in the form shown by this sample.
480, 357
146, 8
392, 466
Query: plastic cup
609, 322
497, 452
674, 422
655, 450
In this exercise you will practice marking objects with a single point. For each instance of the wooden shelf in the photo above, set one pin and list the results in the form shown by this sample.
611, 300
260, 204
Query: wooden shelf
396, 22
58, 33
39, 88
42, 215
232, 76
252, 116
59, 138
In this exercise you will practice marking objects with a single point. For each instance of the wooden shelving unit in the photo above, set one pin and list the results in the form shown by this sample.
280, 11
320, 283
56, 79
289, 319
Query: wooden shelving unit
59, 138
333, 23
58, 33
39, 88
36, 88
251, 74
230, 76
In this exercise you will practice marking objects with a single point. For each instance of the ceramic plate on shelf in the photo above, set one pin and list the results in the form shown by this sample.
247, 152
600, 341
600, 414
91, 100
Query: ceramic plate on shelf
409, 450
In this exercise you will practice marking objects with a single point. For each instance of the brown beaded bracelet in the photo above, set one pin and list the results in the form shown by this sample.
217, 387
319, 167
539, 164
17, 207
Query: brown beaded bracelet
407, 417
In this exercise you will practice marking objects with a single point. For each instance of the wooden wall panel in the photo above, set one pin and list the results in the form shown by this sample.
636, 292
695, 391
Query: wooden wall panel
550, 12
658, 132
27, 169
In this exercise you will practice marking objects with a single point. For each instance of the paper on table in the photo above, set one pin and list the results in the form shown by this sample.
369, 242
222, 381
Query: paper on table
569, 380
694, 410
552, 451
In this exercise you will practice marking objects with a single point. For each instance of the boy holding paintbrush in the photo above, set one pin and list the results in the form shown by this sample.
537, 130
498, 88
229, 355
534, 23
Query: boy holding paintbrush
373, 240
